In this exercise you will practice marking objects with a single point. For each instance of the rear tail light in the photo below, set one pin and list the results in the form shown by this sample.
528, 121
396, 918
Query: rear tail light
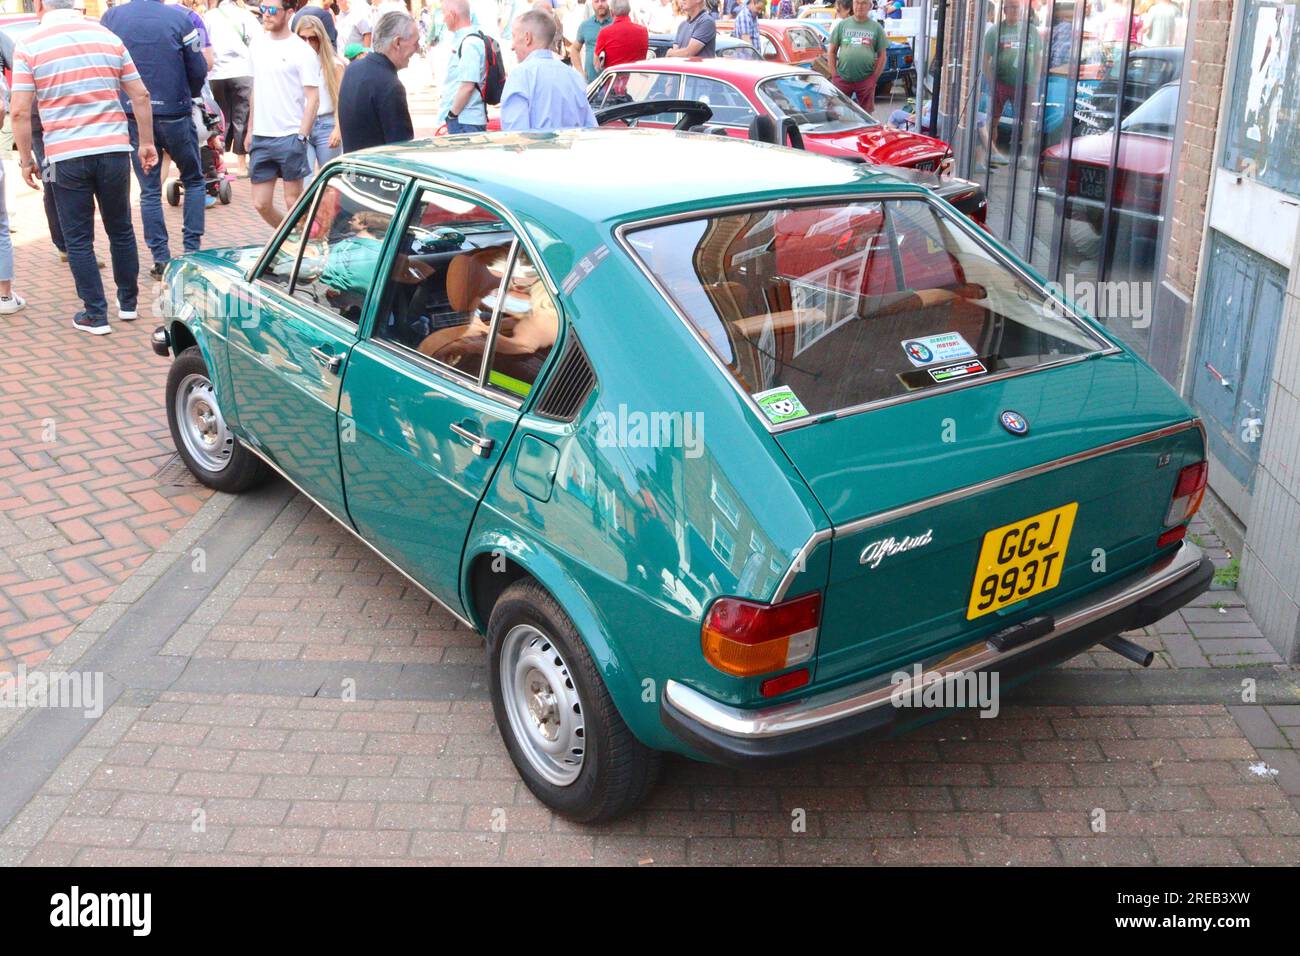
746, 638
1188, 492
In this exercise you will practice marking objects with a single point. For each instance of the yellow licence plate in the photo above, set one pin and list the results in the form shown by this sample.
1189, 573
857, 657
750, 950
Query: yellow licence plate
1020, 560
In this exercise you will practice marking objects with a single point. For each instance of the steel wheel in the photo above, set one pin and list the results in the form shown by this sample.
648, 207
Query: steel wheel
202, 428
542, 705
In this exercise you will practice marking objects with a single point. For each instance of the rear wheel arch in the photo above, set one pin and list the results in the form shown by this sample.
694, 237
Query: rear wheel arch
523, 560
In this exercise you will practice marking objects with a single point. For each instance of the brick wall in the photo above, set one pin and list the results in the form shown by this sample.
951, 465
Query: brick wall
1203, 74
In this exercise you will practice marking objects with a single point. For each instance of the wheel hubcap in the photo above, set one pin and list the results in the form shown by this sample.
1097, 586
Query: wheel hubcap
203, 431
542, 705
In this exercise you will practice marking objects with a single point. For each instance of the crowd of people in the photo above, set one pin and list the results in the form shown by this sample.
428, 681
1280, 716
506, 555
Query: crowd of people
288, 85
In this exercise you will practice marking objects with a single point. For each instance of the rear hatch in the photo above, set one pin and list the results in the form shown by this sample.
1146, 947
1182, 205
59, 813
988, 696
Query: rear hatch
906, 585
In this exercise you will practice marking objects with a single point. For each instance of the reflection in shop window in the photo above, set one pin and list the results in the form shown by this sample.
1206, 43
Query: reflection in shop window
1263, 121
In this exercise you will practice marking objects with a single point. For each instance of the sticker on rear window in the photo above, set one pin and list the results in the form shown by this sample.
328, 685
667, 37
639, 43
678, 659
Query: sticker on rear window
780, 404
960, 370
937, 349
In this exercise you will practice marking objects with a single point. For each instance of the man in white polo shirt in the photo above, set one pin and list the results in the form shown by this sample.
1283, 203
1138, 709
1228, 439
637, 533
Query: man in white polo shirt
286, 95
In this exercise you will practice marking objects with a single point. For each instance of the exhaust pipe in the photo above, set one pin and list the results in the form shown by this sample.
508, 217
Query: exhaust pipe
1126, 648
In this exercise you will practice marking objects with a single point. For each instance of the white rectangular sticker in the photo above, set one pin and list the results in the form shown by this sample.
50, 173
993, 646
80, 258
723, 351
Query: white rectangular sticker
937, 349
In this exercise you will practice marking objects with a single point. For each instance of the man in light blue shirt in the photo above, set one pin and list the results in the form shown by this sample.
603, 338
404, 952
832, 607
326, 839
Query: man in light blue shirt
542, 93
462, 90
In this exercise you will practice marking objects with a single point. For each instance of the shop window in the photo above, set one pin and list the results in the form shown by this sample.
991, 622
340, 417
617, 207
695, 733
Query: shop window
1262, 121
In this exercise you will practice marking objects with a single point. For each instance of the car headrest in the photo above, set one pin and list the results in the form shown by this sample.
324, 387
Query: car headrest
469, 279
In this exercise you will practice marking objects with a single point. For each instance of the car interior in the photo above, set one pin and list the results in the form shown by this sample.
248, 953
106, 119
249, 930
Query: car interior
790, 299
447, 283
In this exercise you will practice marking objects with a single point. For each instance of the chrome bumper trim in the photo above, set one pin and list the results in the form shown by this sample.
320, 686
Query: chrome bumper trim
846, 702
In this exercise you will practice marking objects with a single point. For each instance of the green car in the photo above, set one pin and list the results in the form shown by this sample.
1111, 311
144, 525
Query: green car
721, 465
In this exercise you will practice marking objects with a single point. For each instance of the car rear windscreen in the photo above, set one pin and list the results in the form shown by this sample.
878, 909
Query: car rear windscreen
816, 309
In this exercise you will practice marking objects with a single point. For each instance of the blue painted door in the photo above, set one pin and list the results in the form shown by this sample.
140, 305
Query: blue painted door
1241, 312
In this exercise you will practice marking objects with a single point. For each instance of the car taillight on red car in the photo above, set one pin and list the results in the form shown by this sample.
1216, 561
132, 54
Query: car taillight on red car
747, 638
1188, 492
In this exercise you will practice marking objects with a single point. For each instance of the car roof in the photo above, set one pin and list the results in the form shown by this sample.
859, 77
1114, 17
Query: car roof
720, 67
723, 41
598, 175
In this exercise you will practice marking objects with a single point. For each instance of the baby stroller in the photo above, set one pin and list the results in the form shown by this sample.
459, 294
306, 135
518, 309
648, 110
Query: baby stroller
210, 129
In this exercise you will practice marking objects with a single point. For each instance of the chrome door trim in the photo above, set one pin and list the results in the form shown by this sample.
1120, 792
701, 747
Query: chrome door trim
347, 526
934, 501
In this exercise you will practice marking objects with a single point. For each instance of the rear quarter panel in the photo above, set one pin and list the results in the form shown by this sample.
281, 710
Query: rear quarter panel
639, 535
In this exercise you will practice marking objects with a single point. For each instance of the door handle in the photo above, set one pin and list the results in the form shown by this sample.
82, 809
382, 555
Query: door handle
327, 361
482, 446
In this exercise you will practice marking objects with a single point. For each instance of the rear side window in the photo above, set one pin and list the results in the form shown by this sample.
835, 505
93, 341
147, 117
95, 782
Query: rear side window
728, 104
815, 309
464, 293
802, 39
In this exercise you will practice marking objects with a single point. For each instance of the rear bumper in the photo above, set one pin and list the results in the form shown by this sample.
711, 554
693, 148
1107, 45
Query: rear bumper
738, 737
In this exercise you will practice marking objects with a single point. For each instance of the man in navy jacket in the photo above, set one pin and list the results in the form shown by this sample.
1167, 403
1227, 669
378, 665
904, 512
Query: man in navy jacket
168, 52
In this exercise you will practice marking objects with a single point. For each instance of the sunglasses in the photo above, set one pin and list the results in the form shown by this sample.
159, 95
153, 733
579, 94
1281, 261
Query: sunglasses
270, 11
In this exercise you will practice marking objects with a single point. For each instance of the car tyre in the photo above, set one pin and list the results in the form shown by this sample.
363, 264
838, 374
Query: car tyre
223, 192
173, 190
199, 431
543, 681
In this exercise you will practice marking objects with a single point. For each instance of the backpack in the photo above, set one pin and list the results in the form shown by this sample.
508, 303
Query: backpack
494, 71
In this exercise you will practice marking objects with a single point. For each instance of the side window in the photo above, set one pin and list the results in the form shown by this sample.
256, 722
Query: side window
278, 270
769, 49
446, 276
728, 105
597, 97
341, 260
526, 330
802, 39
635, 87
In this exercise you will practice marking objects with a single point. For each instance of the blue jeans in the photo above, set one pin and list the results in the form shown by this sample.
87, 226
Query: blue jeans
319, 150
454, 125
175, 136
6, 244
78, 184
47, 196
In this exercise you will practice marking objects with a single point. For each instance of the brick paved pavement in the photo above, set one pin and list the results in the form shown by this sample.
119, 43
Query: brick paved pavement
231, 634
243, 779
85, 494
84, 499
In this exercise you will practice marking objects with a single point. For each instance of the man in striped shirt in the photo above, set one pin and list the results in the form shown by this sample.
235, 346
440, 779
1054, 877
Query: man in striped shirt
74, 69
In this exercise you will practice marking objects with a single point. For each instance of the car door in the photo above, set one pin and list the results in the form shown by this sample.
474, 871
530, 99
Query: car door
433, 392
298, 322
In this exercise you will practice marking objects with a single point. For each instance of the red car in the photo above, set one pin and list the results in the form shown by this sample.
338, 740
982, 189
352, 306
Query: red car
1142, 166
784, 41
738, 91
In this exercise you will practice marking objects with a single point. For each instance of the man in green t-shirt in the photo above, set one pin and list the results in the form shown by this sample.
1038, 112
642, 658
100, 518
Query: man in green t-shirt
1007, 46
858, 54
584, 50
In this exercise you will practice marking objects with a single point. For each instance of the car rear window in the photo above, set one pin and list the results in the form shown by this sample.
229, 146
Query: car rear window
817, 309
